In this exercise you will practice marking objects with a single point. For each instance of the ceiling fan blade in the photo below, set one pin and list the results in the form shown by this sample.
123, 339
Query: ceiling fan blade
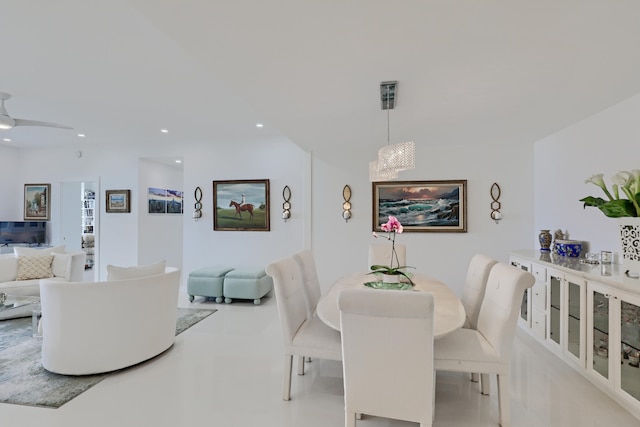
23, 122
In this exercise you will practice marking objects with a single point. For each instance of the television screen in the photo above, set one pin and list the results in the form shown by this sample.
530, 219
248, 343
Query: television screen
16, 232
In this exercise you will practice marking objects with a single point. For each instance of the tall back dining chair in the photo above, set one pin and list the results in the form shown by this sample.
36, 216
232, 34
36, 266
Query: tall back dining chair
472, 295
487, 349
380, 254
302, 336
387, 351
474, 287
311, 284
312, 291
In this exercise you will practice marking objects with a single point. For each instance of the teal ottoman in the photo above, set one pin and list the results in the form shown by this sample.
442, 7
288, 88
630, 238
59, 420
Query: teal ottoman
207, 282
246, 283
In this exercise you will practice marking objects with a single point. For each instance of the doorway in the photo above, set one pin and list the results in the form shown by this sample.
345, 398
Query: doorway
79, 222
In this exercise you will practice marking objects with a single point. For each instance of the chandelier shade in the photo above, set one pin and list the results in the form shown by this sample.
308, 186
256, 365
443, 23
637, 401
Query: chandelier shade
375, 174
397, 157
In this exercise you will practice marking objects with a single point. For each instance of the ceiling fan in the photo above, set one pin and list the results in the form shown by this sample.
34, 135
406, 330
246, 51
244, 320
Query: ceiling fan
7, 122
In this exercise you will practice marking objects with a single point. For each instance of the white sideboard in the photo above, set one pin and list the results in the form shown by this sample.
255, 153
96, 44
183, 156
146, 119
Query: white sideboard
589, 316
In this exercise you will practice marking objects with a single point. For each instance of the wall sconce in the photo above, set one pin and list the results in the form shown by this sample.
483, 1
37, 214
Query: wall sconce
346, 206
197, 213
496, 215
286, 206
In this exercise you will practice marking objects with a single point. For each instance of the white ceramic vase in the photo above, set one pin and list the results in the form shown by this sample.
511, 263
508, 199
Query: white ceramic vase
390, 278
630, 244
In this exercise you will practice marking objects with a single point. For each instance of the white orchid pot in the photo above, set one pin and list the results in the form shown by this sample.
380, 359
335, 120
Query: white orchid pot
630, 242
390, 278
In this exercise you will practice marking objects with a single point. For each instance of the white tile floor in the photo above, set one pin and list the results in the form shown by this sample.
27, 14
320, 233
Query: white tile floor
227, 371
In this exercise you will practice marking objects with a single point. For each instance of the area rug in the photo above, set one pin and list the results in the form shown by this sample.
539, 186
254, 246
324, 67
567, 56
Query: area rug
23, 380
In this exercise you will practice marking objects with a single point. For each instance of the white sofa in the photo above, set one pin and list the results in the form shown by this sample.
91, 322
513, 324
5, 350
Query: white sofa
93, 327
17, 279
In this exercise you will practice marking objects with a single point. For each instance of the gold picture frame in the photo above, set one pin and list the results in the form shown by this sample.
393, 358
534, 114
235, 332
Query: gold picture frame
118, 201
422, 206
37, 202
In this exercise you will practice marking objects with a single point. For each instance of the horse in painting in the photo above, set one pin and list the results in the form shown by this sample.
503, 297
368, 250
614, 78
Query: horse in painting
239, 208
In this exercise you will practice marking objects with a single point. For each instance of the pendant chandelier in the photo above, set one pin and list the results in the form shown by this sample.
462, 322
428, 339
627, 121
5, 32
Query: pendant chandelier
392, 158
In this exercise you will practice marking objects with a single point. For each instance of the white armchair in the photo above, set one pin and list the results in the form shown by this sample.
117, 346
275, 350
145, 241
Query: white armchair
93, 327
387, 352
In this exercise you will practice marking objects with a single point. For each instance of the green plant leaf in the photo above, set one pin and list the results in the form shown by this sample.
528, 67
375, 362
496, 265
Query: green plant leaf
613, 209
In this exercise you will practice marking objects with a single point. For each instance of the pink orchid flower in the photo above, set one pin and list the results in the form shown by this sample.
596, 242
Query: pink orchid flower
392, 225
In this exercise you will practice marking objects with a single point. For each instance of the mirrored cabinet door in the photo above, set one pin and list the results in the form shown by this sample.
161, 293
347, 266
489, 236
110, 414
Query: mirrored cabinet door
630, 345
598, 331
555, 286
574, 319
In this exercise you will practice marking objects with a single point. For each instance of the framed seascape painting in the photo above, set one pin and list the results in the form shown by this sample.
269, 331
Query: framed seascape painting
241, 205
118, 201
36, 201
422, 206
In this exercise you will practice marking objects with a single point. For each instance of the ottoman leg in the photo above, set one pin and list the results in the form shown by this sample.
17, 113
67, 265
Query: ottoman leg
190, 298
219, 300
256, 301
228, 300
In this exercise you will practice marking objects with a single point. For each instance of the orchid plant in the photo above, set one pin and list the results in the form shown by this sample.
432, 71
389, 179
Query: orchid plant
617, 207
391, 227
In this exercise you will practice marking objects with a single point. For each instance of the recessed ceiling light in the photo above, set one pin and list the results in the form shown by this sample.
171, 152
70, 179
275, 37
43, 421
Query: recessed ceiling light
259, 125
7, 139
81, 135
164, 131
178, 161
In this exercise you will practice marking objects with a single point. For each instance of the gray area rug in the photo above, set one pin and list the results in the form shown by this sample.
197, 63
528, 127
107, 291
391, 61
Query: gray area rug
24, 381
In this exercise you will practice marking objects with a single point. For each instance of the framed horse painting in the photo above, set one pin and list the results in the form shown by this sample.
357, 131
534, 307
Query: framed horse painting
241, 205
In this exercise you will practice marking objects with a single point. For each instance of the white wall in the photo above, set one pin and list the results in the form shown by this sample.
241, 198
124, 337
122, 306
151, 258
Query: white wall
280, 161
316, 183
607, 142
12, 193
342, 247
160, 236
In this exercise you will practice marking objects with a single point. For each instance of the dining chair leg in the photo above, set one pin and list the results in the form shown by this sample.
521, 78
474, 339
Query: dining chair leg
350, 419
504, 400
485, 384
433, 398
300, 365
286, 382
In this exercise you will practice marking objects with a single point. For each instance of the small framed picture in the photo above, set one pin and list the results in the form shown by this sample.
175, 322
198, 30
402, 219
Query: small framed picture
36, 202
422, 206
118, 201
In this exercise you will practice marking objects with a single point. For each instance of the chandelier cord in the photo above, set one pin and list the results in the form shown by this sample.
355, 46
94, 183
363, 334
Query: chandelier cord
388, 126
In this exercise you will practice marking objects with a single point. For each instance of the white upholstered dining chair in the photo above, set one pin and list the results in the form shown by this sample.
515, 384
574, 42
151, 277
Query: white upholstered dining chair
387, 352
311, 284
380, 254
302, 335
312, 292
472, 295
487, 349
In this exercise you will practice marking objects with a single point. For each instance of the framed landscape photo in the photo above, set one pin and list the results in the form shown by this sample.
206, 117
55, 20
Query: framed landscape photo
241, 205
422, 206
36, 202
118, 201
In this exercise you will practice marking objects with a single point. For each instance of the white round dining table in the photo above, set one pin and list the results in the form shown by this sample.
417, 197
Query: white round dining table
448, 315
